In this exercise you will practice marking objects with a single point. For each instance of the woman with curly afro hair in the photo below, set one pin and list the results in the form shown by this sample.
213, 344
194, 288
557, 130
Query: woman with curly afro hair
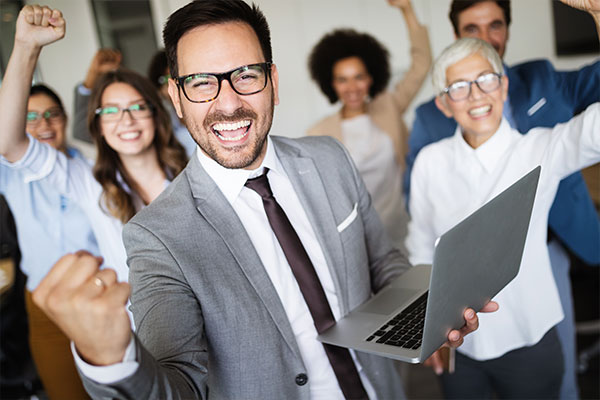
354, 68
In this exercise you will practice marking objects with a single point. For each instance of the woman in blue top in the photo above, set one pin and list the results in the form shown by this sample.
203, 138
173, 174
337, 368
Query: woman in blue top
48, 226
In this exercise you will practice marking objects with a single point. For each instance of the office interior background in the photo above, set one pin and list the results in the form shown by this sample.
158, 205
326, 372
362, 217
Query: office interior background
135, 28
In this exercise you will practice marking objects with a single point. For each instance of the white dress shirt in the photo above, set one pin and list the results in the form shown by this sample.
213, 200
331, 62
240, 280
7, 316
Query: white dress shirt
247, 204
450, 180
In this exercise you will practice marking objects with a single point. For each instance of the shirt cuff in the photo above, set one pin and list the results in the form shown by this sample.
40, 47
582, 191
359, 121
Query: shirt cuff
109, 374
83, 90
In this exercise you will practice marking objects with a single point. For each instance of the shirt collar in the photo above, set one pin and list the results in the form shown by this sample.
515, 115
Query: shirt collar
231, 181
490, 152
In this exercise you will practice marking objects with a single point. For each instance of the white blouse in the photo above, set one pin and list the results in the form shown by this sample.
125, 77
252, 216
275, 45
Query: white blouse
373, 153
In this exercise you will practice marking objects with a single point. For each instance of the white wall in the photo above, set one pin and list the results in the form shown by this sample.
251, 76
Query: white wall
296, 26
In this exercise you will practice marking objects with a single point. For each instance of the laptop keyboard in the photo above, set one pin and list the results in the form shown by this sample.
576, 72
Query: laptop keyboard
405, 329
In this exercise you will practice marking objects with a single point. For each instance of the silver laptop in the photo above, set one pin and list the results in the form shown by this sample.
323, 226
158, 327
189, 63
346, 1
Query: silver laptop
411, 318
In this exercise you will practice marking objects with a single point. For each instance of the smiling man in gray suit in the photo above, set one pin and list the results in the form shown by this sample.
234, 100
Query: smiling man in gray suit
220, 306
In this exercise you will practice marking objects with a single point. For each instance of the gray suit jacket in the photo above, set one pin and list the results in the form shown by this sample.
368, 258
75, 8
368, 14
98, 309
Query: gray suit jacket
209, 321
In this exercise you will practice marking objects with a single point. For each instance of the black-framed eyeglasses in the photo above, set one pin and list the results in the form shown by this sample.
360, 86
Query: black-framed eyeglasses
205, 87
460, 90
112, 113
50, 115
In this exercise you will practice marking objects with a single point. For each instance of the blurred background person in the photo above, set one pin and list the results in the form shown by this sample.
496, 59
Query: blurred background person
354, 68
158, 73
103, 61
49, 225
18, 375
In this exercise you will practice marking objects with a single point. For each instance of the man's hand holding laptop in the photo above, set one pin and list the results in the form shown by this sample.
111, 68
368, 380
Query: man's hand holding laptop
456, 337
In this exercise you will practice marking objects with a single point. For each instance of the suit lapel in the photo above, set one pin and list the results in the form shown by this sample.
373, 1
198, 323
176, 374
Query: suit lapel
310, 189
216, 210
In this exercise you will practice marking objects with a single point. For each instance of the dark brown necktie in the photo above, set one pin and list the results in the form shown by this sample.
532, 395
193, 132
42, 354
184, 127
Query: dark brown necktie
310, 286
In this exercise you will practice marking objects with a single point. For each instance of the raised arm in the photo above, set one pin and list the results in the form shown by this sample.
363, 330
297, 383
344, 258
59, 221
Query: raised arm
37, 26
103, 61
420, 53
409, 13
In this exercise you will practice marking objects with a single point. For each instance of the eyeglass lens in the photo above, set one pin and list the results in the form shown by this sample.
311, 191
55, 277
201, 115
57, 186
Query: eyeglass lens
486, 83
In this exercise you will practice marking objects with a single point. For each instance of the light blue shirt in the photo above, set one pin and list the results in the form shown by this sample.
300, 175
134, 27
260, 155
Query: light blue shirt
49, 225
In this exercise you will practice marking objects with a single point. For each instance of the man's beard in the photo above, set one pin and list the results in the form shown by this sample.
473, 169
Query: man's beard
231, 157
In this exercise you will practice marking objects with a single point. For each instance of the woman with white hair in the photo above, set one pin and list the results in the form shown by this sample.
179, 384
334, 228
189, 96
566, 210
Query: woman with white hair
516, 352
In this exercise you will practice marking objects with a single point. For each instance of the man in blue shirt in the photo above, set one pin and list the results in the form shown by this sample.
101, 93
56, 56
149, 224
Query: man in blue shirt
539, 96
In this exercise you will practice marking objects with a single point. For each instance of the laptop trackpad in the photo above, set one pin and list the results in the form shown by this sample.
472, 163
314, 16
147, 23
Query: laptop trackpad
387, 301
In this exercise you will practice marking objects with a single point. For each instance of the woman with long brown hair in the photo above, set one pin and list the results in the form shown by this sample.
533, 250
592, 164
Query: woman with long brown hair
131, 172
137, 152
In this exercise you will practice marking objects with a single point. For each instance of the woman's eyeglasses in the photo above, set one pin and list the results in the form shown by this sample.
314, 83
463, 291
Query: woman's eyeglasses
462, 89
115, 113
50, 115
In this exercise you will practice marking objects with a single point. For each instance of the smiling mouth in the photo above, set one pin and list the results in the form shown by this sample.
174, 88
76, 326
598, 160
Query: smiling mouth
480, 111
130, 135
355, 97
46, 136
231, 132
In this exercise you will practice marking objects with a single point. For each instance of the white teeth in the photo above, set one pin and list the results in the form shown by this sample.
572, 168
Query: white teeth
232, 139
232, 126
46, 136
129, 135
476, 112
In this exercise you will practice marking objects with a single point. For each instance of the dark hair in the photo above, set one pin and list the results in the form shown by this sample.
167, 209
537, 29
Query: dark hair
157, 67
171, 155
212, 12
344, 43
43, 89
459, 6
